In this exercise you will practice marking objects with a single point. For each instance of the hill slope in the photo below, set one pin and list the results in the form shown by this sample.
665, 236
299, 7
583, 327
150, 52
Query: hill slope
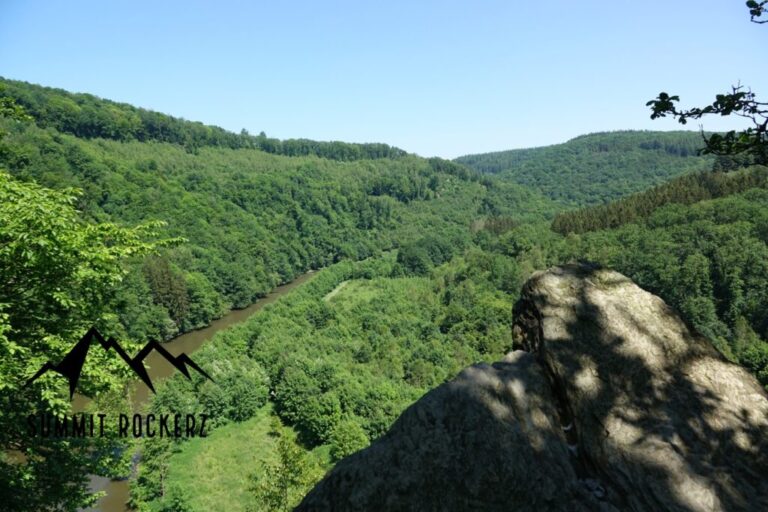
597, 168
687, 189
252, 219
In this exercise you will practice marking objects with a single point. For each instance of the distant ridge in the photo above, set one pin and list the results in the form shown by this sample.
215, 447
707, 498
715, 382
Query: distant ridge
88, 116
72, 364
597, 168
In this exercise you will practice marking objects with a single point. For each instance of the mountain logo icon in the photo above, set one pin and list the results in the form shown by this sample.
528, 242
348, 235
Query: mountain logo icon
72, 364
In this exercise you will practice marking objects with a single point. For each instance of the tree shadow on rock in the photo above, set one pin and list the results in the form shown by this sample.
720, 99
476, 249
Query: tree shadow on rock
661, 420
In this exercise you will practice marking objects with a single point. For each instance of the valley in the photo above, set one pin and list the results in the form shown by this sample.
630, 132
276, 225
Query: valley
402, 271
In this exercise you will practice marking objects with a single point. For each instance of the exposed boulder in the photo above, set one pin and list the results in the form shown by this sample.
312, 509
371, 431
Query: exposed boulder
660, 418
615, 405
488, 440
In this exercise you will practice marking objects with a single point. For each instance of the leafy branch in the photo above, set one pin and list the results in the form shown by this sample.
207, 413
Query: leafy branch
739, 102
756, 10
751, 142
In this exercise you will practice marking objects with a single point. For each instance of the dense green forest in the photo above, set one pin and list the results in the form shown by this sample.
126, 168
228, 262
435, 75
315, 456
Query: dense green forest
686, 189
237, 222
599, 167
251, 220
421, 261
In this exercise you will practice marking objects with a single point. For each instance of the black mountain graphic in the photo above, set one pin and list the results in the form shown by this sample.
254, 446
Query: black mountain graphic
72, 364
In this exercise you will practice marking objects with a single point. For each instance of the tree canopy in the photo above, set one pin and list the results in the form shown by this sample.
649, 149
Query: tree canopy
58, 277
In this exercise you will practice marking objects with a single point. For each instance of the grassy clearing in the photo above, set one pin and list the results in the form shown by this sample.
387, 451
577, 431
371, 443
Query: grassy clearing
407, 291
214, 473
336, 290
205, 468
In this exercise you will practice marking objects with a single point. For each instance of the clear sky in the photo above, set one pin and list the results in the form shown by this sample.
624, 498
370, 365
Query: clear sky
433, 77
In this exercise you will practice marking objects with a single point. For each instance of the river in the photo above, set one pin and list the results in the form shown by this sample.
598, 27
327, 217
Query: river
158, 369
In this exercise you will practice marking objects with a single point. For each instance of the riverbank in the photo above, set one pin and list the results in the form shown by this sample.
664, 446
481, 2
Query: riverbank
117, 491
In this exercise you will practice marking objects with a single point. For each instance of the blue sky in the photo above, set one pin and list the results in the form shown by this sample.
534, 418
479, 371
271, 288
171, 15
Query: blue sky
439, 78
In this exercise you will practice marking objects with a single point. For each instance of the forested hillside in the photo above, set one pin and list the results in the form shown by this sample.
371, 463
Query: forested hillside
237, 223
597, 168
251, 220
683, 190
709, 260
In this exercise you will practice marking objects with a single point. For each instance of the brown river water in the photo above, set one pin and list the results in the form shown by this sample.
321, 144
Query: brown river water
158, 369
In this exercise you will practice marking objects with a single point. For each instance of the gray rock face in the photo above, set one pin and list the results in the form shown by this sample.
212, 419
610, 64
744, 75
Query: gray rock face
661, 419
614, 404
488, 440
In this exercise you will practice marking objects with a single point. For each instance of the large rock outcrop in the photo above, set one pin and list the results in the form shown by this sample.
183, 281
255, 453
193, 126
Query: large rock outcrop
613, 403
